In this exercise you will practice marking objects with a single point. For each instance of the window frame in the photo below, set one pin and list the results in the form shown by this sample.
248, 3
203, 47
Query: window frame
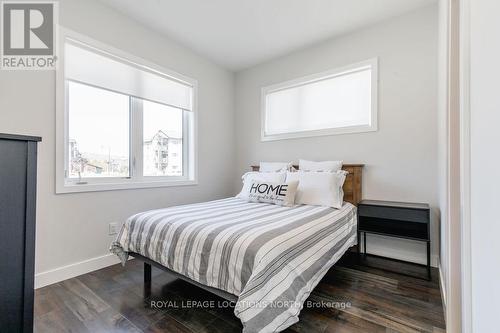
332, 73
136, 179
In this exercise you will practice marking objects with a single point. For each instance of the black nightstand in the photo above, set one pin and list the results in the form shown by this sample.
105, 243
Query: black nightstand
395, 219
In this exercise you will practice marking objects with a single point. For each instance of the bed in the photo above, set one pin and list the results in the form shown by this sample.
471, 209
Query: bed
265, 258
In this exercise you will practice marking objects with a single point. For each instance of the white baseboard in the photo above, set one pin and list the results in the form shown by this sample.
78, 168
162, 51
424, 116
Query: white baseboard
391, 254
69, 271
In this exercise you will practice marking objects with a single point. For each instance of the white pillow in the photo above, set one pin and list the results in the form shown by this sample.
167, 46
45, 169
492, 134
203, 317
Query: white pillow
249, 177
319, 188
282, 194
274, 166
327, 166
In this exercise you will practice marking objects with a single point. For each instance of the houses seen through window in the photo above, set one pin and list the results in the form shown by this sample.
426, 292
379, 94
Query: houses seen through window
99, 135
162, 140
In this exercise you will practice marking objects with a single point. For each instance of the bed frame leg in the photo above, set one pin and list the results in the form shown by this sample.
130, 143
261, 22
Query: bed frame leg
147, 280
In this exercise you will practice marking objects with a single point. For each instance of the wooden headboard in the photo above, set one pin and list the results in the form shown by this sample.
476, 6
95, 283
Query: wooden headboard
352, 185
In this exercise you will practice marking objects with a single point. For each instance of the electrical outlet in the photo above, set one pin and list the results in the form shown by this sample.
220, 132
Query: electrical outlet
113, 228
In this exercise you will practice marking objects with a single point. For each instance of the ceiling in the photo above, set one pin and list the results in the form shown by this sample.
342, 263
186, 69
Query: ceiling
238, 34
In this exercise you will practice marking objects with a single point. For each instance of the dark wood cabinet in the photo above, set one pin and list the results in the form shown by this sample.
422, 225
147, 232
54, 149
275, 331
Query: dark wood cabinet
396, 219
18, 155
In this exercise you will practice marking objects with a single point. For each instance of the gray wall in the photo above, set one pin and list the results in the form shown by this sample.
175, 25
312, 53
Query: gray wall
74, 227
401, 157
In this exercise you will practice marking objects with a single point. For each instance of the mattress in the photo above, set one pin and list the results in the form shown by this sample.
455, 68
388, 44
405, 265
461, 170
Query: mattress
270, 257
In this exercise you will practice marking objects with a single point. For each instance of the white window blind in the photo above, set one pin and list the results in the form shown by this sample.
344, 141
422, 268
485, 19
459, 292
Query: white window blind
94, 67
327, 103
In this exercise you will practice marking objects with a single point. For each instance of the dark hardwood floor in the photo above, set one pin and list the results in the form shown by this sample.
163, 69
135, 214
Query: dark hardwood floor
350, 298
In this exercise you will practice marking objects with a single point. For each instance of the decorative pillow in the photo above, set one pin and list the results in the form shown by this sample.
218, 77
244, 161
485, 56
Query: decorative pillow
275, 166
319, 188
326, 166
249, 177
282, 194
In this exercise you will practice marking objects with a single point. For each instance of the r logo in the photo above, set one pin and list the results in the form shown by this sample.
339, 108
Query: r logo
28, 28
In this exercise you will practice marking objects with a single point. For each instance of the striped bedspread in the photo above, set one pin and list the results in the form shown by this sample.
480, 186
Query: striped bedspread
271, 257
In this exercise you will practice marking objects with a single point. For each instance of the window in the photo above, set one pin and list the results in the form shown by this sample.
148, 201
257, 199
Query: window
334, 102
122, 122
98, 133
162, 140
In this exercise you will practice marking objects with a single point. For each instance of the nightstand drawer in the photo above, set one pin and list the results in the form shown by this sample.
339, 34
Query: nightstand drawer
392, 213
394, 227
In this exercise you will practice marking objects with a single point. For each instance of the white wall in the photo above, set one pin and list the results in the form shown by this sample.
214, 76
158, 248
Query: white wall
74, 227
401, 157
449, 161
484, 159
443, 137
